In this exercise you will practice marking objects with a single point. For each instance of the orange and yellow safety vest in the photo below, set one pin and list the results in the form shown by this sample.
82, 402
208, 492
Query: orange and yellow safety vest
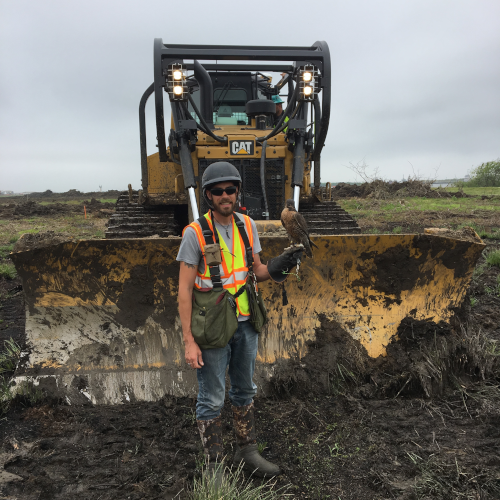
234, 266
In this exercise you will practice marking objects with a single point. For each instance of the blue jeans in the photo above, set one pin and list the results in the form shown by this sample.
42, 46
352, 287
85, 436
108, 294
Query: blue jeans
239, 354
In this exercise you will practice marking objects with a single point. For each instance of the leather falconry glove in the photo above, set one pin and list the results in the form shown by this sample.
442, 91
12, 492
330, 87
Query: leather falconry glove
279, 267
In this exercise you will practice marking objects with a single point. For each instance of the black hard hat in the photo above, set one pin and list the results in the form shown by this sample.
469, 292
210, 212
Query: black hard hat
220, 171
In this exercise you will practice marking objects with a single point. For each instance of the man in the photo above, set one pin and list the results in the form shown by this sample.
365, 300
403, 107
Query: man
221, 185
279, 108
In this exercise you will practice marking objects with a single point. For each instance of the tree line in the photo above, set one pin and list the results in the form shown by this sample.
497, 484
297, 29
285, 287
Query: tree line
485, 175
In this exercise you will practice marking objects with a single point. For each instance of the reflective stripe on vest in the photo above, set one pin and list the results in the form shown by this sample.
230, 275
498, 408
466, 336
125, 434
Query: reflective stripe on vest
234, 269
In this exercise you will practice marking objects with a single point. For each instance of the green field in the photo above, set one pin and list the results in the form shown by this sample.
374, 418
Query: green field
476, 191
73, 225
365, 206
414, 214
76, 202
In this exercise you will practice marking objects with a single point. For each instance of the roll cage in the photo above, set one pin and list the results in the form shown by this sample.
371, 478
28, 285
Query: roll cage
253, 59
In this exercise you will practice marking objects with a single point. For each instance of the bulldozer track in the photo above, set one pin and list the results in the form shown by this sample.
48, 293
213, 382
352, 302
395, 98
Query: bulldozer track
132, 220
328, 218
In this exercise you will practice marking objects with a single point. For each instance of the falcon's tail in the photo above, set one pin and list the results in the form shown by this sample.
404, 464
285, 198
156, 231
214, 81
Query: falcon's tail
308, 249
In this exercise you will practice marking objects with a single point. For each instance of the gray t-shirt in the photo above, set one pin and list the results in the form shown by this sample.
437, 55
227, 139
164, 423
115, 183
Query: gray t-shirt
190, 251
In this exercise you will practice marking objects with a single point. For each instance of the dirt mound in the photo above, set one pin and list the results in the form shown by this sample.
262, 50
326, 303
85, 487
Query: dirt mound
30, 241
76, 194
466, 233
45, 194
32, 208
380, 189
423, 360
97, 204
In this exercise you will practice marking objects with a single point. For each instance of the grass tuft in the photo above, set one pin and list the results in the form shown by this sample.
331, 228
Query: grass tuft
234, 486
439, 478
344, 377
482, 232
5, 250
25, 394
8, 361
443, 359
478, 272
261, 447
9, 356
493, 258
29, 231
8, 270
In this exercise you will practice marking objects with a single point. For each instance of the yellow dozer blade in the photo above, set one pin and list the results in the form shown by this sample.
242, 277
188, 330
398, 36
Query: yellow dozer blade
102, 320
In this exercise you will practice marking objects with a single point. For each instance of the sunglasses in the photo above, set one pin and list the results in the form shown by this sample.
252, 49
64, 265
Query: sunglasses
221, 191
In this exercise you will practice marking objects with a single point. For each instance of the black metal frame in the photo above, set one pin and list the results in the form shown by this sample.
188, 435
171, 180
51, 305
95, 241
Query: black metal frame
165, 55
142, 134
243, 67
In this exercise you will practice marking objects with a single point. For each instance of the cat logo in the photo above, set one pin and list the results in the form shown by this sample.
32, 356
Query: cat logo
241, 147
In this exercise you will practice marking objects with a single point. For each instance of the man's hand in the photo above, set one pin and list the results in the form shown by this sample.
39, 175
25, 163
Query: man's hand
187, 276
193, 354
279, 267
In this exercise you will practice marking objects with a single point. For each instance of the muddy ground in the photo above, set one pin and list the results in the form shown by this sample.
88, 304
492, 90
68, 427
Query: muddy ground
32, 208
423, 423
50, 196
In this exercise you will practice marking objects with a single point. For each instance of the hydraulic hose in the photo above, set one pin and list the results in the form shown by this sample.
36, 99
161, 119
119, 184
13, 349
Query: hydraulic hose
185, 109
186, 163
206, 128
284, 126
170, 144
317, 174
263, 177
277, 129
206, 93
142, 134
282, 82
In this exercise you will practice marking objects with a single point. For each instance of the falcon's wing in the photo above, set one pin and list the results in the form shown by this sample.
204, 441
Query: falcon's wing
284, 217
301, 223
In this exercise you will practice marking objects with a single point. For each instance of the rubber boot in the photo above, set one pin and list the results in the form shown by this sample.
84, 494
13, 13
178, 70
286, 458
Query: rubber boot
246, 444
211, 438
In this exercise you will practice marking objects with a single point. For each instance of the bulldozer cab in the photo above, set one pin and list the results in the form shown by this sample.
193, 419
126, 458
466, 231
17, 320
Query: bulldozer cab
223, 110
231, 92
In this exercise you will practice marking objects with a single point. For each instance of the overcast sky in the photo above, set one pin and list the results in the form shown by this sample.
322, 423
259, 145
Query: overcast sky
416, 83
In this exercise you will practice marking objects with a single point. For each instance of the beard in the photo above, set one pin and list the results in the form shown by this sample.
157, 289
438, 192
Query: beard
226, 211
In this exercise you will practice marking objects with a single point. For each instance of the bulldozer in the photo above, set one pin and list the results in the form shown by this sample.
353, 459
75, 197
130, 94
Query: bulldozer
225, 112
101, 315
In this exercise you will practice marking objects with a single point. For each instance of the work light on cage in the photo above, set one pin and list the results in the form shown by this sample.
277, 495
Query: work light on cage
308, 83
176, 82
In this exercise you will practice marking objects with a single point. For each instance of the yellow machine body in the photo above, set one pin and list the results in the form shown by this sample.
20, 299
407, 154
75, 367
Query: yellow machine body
102, 317
165, 185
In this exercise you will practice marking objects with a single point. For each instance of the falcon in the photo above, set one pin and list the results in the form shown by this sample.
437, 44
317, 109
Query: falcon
296, 227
